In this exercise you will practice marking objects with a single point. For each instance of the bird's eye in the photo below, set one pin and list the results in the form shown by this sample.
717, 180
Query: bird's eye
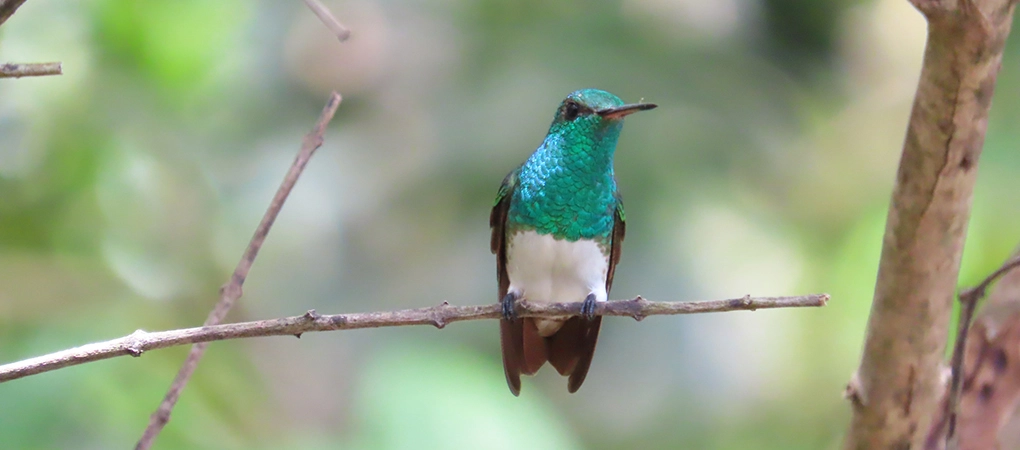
571, 111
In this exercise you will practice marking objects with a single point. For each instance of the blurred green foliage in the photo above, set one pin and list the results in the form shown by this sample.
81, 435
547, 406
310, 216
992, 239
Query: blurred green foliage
130, 185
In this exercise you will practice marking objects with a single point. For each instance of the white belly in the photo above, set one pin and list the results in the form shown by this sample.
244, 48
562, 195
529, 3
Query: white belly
543, 269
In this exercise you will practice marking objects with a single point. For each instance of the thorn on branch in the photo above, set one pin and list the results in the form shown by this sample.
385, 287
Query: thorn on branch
637, 305
311, 315
298, 335
313, 141
743, 303
133, 347
439, 314
854, 392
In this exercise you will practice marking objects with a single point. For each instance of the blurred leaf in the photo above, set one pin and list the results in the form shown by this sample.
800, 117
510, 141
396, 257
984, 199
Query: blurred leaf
177, 44
415, 396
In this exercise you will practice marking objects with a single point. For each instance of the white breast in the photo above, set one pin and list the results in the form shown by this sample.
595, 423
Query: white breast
549, 270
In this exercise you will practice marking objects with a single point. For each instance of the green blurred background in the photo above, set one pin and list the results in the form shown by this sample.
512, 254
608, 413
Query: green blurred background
130, 185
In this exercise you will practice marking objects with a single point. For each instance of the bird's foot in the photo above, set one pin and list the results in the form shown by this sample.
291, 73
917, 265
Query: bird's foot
588, 307
509, 302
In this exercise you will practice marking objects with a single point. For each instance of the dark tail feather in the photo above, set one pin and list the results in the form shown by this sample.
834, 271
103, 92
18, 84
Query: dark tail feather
586, 352
563, 346
511, 341
572, 347
570, 350
536, 351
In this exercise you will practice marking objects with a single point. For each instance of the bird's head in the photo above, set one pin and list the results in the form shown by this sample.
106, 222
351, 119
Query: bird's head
593, 113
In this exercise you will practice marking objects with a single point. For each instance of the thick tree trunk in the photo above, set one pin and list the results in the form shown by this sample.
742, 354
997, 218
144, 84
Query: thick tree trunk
899, 383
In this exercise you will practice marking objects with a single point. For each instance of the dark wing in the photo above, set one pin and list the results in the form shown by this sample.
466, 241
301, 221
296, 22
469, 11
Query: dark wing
619, 229
511, 338
589, 330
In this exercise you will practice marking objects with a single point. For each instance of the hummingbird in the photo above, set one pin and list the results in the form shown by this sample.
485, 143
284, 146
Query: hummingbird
557, 229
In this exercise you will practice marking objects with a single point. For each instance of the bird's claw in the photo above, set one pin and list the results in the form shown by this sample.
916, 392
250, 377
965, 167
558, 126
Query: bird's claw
588, 307
508, 303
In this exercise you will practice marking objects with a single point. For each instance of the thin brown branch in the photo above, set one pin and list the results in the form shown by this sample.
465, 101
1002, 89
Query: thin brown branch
899, 381
969, 299
978, 292
7, 9
11, 70
231, 291
968, 305
328, 19
989, 375
438, 316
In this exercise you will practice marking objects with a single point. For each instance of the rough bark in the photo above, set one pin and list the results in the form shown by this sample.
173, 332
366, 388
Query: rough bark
899, 383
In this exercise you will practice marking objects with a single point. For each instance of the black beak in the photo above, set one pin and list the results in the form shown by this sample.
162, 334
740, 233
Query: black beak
621, 111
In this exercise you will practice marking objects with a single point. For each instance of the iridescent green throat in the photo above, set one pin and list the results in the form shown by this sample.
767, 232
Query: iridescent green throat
566, 188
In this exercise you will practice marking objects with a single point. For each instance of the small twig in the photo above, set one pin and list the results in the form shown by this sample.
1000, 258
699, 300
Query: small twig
231, 291
12, 70
969, 299
7, 9
328, 19
438, 316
